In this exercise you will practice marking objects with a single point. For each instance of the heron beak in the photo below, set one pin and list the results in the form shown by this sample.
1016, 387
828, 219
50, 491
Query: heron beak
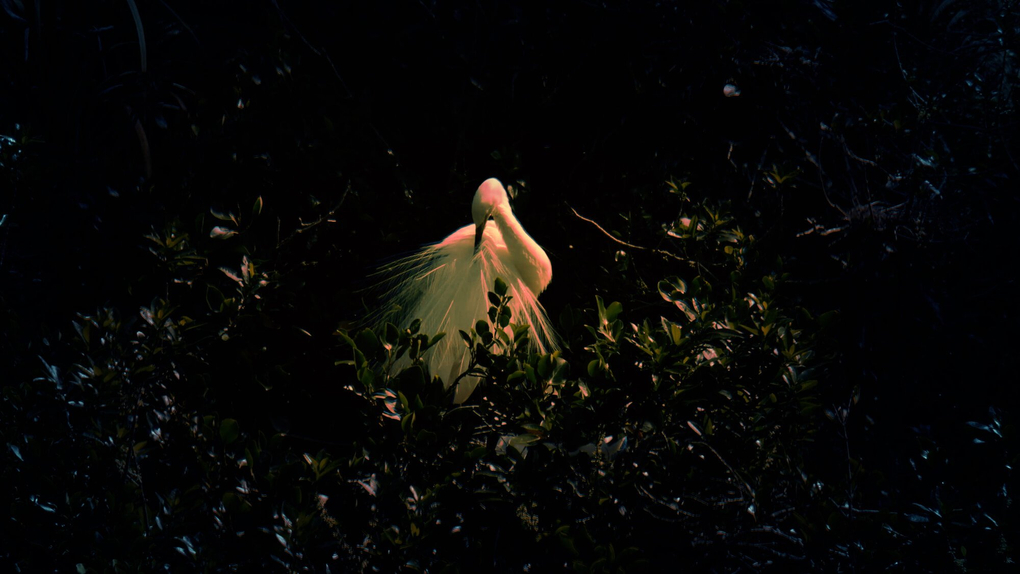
479, 233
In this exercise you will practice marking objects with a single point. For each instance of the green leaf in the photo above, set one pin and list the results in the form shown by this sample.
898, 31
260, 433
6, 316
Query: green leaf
613, 311
687, 309
568, 542
367, 378
583, 390
229, 430
223, 216
825, 319
481, 327
522, 440
219, 232
390, 336
533, 428
500, 287
366, 342
503, 336
214, 298
675, 333
545, 366
530, 372
671, 288
427, 437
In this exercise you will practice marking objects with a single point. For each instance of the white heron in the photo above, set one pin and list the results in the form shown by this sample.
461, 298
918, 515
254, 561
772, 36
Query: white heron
446, 284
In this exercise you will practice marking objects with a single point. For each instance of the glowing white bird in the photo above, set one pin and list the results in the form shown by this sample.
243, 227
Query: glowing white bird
446, 284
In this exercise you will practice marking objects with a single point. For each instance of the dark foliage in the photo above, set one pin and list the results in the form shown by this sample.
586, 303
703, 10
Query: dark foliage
782, 235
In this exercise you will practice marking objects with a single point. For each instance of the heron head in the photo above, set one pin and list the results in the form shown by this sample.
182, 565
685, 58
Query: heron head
489, 197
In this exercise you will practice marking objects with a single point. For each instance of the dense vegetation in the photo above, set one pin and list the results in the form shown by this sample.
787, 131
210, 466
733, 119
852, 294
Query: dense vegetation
781, 235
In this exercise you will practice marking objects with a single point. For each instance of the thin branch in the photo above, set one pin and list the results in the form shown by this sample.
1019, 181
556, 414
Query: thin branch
670, 505
732, 470
181, 20
772, 530
327, 218
314, 50
662, 252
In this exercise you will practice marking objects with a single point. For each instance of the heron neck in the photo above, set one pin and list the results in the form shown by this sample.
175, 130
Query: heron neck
528, 256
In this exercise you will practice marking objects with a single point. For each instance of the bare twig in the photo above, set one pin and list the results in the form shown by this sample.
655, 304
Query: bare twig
733, 471
773, 530
670, 505
314, 50
327, 218
662, 252
181, 20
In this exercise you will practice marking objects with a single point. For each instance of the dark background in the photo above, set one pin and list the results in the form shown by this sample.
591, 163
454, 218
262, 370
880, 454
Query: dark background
896, 125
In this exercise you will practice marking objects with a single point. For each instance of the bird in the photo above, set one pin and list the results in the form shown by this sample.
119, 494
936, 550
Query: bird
446, 285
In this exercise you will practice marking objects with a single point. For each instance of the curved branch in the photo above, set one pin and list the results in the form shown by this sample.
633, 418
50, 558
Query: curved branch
662, 252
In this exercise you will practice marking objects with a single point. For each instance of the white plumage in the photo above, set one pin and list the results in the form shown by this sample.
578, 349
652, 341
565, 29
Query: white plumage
446, 285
